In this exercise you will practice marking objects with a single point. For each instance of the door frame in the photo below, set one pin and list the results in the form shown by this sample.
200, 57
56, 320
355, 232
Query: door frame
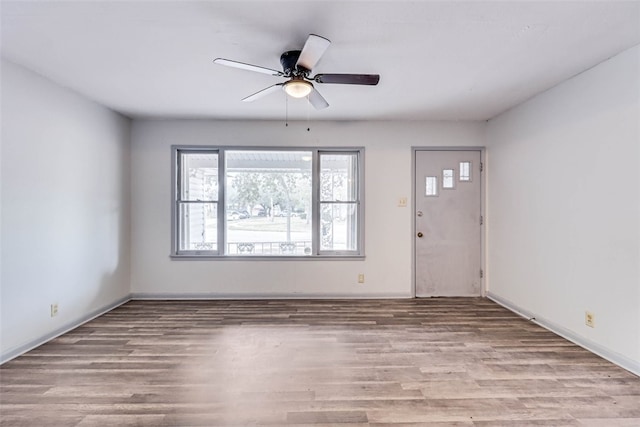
484, 282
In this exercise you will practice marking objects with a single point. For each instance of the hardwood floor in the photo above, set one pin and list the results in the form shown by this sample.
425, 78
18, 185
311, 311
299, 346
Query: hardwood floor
434, 362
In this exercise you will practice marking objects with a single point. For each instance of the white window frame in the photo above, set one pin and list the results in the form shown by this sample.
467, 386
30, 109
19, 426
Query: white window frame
219, 253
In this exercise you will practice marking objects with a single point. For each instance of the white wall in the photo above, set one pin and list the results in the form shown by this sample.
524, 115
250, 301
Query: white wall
65, 208
388, 235
564, 207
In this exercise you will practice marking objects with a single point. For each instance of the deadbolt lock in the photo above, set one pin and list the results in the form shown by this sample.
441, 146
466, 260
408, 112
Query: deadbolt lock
420, 234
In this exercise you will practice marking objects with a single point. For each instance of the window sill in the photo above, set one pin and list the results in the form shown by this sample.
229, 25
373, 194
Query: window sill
190, 257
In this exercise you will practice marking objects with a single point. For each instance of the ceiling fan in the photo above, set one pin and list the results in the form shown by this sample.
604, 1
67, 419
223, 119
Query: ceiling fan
297, 66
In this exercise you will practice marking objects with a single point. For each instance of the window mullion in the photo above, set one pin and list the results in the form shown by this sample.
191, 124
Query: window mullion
315, 203
222, 209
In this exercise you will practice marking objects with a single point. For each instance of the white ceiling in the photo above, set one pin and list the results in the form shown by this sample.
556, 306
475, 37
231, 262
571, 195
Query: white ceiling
446, 60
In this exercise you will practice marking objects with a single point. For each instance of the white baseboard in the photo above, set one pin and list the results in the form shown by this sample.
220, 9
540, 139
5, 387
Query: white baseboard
624, 362
216, 296
17, 351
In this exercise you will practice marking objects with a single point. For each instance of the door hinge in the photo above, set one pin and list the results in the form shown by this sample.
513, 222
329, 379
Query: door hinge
481, 167
481, 274
481, 220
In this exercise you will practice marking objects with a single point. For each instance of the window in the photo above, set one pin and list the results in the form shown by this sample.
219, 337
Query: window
465, 171
197, 201
448, 179
431, 186
339, 202
268, 202
243, 202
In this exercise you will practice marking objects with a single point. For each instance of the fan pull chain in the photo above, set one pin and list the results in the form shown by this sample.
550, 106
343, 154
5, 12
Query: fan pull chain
308, 103
286, 110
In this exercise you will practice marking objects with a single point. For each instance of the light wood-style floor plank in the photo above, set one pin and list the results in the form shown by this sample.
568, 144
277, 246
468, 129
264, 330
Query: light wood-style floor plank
436, 362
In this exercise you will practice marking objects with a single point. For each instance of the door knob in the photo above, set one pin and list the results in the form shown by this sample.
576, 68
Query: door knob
420, 234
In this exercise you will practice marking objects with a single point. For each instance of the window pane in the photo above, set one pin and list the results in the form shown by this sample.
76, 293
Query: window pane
268, 202
465, 171
198, 226
338, 177
431, 186
448, 178
199, 180
338, 227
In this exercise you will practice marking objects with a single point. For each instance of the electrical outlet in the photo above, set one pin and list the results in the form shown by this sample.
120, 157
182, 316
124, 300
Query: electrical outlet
360, 278
402, 202
54, 309
589, 319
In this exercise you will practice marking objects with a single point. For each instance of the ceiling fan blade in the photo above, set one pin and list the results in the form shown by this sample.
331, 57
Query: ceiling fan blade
317, 100
248, 67
263, 92
348, 79
312, 51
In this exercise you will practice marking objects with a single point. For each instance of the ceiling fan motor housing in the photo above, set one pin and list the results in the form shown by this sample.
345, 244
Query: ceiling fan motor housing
288, 61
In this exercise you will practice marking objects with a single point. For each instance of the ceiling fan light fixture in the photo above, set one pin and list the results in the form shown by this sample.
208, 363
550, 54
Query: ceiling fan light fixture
298, 88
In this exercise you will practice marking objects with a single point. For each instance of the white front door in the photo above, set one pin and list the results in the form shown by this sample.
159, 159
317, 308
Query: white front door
448, 257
